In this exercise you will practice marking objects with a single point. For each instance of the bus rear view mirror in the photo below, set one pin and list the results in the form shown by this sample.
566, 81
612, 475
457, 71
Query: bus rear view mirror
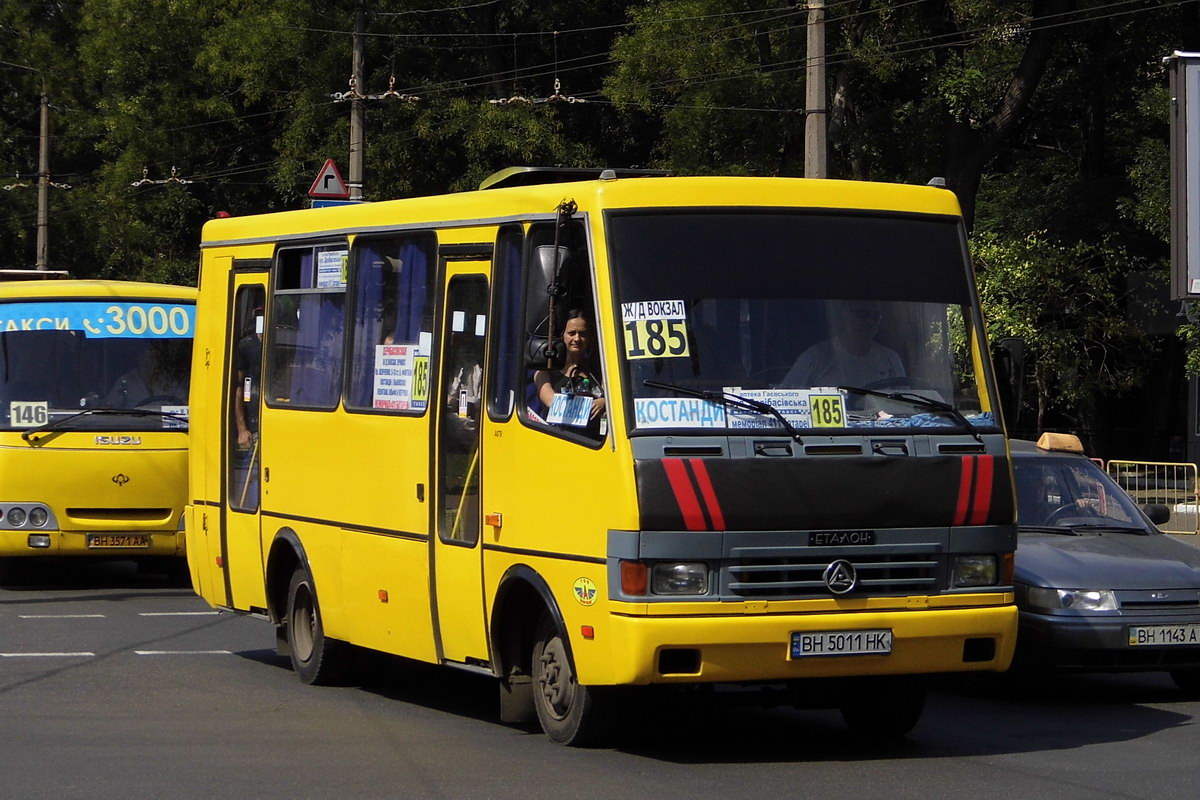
549, 264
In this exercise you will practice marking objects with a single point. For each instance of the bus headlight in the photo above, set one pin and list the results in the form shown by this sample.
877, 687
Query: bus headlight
679, 578
38, 517
1041, 599
976, 570
15, 517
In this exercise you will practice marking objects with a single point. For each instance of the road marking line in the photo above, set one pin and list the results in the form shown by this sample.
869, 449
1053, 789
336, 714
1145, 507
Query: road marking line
44, 655
183, 652
178, 613
61, 616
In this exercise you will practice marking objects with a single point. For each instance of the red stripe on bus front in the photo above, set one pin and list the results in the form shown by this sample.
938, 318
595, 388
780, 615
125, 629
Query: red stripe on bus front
983, 491
964, 490
685, 495
708, 493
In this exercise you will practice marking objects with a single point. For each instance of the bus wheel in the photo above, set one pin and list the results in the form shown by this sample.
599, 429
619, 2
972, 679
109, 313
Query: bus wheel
569, 713
885, 707
316, 659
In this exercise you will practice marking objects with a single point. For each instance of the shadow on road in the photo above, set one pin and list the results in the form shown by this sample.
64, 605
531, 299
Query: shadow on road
90, 579
965, 715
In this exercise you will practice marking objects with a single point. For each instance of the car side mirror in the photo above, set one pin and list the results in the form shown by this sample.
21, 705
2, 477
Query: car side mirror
1157, 513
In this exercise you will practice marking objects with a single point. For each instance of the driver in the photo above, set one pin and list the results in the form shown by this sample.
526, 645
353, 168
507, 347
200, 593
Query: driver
157, 377
851, 357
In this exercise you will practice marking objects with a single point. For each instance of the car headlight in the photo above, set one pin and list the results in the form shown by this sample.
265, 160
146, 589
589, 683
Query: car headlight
1041, 599
975, 570
679, 578
38, 517
16, 517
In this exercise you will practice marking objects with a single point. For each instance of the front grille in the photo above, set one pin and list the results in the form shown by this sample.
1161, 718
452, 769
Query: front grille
883, 570
1165, 600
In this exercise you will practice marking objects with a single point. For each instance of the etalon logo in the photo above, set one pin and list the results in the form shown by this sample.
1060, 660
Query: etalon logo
840, 576
585, 591
120, 479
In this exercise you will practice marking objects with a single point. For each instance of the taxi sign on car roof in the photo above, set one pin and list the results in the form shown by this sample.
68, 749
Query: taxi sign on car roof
1062, 442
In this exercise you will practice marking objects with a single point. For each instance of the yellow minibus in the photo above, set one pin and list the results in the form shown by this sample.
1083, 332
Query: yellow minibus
588, 431
94, 420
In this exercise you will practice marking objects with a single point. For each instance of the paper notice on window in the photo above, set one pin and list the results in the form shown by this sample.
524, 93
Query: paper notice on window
401, 380
331, 269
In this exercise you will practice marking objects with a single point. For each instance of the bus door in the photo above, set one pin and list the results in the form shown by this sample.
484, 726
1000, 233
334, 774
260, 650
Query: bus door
456, 549
242, 544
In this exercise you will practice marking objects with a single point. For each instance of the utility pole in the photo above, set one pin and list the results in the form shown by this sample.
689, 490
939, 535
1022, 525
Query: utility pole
43, 212
816, 111
358, 110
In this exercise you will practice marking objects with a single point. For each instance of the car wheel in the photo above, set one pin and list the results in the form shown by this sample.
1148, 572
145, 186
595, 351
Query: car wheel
315, 658
885, 707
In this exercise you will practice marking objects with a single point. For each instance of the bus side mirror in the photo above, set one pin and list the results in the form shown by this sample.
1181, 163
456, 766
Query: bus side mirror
550, 264
1008, 359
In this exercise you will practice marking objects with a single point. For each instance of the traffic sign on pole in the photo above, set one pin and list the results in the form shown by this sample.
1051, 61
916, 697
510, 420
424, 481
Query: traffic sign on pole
329, 183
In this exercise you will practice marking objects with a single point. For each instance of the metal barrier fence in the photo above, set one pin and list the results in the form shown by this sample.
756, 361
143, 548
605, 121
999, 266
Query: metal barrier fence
1162, 483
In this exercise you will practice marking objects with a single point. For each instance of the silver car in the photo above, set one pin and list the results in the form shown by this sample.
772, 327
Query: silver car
1099, 587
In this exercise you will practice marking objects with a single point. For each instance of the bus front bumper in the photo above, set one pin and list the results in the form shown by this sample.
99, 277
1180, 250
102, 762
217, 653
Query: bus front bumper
644, 650
100, 544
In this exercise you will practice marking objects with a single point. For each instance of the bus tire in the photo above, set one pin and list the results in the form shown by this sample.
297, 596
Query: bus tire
316, 659
569, 712
884, 707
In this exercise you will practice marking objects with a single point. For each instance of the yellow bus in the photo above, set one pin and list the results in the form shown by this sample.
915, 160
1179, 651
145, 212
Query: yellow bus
93, 420
589, 431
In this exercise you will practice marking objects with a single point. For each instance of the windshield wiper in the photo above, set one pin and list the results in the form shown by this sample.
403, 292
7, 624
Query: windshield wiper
921, 402
1046, 529
64, 423
731, 399
1100, 527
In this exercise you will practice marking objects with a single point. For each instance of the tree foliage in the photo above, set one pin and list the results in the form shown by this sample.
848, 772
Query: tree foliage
1047, 117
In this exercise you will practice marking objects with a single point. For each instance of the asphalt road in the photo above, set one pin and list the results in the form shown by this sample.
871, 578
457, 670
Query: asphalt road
120, 685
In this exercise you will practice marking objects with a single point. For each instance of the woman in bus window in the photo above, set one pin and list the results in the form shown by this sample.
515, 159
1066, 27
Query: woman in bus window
579, 375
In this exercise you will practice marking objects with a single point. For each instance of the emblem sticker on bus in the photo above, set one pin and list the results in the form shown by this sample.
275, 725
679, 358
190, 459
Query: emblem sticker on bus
655, 329
585, 591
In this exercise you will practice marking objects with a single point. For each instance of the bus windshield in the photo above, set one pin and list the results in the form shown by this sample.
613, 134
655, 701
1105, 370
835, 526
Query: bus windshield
59, 358
835, 320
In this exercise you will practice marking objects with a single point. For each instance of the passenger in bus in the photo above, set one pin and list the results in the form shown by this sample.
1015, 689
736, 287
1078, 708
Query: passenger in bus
248, 363
579, 375
851, 357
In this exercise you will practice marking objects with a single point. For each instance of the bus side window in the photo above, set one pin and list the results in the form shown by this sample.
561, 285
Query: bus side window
393, 308
307, 323
507, 366
564, 388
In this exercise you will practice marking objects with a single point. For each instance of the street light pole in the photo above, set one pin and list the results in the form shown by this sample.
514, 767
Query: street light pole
815, 109
43, 212
358, 109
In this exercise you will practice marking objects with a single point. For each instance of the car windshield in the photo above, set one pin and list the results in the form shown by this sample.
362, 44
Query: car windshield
1058, 492
60, 358
800, 310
